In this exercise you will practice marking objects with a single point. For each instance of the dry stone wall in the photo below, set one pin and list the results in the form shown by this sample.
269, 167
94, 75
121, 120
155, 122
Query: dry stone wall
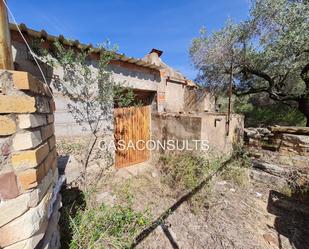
289, 145
29, 184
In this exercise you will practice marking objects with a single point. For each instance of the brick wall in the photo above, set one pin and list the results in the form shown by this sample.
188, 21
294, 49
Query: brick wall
29, 184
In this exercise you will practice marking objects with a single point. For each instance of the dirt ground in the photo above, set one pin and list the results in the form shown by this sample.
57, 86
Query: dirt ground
220, 215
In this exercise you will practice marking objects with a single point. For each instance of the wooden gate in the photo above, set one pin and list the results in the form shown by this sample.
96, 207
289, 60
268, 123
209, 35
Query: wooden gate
132, 124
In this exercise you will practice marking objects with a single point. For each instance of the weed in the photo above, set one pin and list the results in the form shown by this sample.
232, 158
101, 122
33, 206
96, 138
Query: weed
107, 227
237, 171
236, 174
187, 170
69, 147
286, 190
241, 155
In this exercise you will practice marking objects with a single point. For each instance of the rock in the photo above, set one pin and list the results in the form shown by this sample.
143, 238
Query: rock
282, 202
258, 195
73, 170
297, 140
270, 239
263, 131
268, 178
29, 224
154, 174
51, 238
221, 183
270, 168
45, 186
8, 186
28, 243
106, 198
13, 208
290, 129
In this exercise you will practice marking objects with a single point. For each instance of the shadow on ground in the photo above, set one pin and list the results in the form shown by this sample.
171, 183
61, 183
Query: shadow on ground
72, 201
160, 221
292, 219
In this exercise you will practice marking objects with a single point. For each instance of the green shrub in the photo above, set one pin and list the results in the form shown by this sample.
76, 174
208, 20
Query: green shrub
107, 227
236, 171
186, 170
236, 174
260, 115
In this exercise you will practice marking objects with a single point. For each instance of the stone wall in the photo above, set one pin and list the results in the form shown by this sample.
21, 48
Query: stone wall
29, 184
289, 145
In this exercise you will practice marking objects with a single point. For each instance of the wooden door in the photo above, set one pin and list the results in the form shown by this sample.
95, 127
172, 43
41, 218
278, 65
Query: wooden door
132, 124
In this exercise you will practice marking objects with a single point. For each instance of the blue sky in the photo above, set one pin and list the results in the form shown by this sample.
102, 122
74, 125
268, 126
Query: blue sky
136, 26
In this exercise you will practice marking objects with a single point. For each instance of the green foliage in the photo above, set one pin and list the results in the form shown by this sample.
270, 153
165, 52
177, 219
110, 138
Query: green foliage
186, 170
267, 53
237, 170
269, 114
88, 84
107, 227
123, 96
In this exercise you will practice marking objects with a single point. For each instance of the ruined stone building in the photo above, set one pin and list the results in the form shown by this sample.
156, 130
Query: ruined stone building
191, 110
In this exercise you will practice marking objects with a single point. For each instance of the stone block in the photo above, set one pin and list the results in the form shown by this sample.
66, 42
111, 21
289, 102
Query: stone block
8, 186
17, 104
7, 125
295, 139
42, 104
30, 158
51, 239
13, 208
52, 106
27, 225
26, 140
47, 131
52, 142
49, 161
44, 187
54, 165
50, 118
30, 243
25, 81
32, 177
31, 120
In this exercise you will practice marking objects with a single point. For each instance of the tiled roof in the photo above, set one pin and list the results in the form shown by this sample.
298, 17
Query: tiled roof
44, 35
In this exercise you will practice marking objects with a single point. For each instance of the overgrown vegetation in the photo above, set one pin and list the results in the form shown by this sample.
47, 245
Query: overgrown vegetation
103, 226
69, 146
237, 170
186, 170
259, 111
92, 93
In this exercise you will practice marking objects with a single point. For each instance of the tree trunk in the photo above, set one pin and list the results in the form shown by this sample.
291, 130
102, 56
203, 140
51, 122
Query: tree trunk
303, 107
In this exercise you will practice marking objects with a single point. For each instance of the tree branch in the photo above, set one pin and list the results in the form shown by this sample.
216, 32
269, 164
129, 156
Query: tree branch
305, 75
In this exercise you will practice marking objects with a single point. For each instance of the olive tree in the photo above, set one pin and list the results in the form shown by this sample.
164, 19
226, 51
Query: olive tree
267, 53
90, 89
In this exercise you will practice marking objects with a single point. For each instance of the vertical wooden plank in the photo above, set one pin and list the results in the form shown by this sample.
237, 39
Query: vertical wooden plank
6, 58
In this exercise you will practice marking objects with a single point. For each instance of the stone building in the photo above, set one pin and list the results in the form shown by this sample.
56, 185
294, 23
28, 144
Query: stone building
164, 89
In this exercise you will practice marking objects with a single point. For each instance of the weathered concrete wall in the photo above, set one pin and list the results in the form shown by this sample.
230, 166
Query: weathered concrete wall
29, 185
210, 127
173, 126
123, 73
174, 97
214, 130
198, 100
